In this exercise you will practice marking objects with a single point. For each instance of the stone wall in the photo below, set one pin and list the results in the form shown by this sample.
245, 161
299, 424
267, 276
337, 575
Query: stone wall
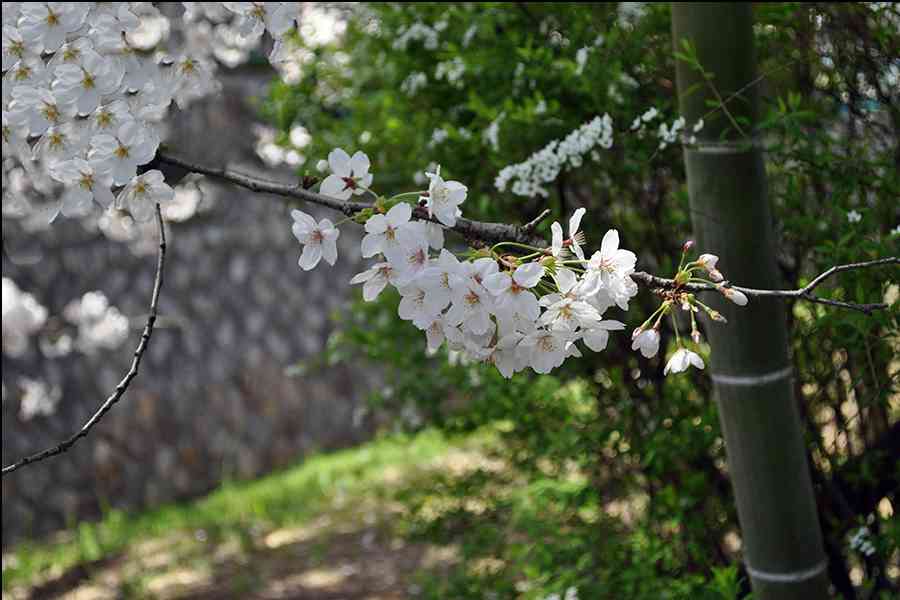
212, 399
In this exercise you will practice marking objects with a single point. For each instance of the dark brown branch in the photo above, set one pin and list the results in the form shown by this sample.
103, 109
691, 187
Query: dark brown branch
476, 230
129, 376
503, 232
804, 293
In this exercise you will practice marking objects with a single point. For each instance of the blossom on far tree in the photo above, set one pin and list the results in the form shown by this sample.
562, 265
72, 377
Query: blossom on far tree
444, 198
348, 175
319, 239
143, 193
681, 360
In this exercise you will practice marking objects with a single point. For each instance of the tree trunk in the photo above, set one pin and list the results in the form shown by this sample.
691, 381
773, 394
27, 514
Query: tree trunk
750, 367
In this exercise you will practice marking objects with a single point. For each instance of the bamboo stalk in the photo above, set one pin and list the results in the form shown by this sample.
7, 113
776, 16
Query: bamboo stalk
750, 367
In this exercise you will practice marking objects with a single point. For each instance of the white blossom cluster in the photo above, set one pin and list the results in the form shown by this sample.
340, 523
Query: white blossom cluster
87, 85
514, 310
530, 177
861, 541
100, 325
23, 317
667, 134
419, 32
39, 399
452, 71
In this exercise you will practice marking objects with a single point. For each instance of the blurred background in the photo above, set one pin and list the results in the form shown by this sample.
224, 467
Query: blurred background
286, 440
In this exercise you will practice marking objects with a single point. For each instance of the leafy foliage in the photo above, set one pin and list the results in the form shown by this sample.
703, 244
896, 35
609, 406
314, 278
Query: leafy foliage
610, 433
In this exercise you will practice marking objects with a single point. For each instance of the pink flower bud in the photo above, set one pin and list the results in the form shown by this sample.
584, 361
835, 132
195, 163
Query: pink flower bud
733, 295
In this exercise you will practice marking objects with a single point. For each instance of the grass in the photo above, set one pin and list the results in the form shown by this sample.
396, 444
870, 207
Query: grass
237, 510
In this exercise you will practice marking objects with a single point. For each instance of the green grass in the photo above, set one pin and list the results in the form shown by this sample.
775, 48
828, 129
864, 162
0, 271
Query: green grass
290, 496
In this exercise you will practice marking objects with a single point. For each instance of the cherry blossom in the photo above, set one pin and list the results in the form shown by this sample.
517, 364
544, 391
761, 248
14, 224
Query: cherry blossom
383, 232
318, 239
681, 360
444, 198
375, 279
86, 184
646, 341
348, 175
143, 193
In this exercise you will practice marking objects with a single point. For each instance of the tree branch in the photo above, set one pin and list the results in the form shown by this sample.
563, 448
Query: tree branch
804, 293
474, 230
129, 376
499, 232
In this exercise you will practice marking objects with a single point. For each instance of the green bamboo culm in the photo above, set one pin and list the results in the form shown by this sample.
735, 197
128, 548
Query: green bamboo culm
750, 366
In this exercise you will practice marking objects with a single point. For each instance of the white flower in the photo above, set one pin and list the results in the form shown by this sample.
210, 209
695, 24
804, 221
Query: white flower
60, 142
597, 336
444, 198
374, 280
434, 233
143, 193
614, 266
574, 241
45, 24
410, 258
512, 291
319, 239
734, 295
472, 307
83, 84
14, 48
85, 185
441, 277
348, 175
708, 263
256, 17
132, 145
22, 317
649, 115
529, 178
506, 356
418, 306
36, 108
546, 349
383, 232
854, 216
645, 340
681, 360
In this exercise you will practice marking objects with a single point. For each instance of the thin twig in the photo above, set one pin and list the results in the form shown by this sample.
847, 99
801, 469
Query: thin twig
129, 376
804, 293
530, 225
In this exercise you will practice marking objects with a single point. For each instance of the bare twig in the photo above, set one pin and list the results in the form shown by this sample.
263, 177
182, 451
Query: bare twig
530, 225
804, 293
129, 376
